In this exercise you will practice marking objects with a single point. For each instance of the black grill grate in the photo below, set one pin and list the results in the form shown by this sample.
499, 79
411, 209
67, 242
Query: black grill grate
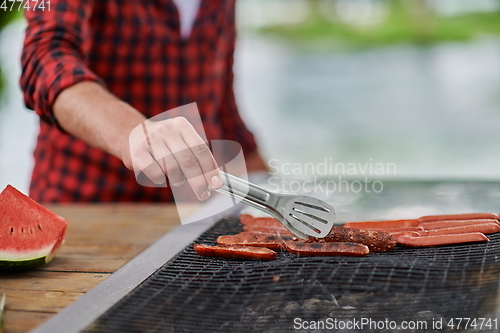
197, 294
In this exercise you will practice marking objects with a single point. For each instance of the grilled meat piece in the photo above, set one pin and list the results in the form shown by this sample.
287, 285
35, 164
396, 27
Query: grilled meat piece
469, 216
249, 238
377, 241
281, 231
485, 228
303, 249
454, 223
441, 239
380, 225
235, 252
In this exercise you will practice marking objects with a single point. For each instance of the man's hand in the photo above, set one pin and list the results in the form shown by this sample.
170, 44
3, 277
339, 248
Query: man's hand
172, 147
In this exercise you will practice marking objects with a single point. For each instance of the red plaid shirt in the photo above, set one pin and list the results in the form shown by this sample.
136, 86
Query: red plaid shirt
134, 49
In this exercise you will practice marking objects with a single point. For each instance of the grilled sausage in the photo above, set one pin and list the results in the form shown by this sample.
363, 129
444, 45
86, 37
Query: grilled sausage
485, 228
396, 230
247, 219
304, 249
235, 252
470, 216
250, 238
422, 241
409, 233
267, 225
375, 240
282, 231
373, 225
454, 223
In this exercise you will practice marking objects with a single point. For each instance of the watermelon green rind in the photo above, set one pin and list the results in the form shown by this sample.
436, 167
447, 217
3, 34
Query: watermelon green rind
18, 261
9, 266
30, 234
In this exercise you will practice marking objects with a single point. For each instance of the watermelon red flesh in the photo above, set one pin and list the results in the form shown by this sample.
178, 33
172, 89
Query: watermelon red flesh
28, 230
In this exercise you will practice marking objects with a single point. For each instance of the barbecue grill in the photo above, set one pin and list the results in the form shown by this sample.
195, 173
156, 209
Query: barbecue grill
198, 294
422, 287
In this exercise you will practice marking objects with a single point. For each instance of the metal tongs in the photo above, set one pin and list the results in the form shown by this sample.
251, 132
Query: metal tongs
302, 215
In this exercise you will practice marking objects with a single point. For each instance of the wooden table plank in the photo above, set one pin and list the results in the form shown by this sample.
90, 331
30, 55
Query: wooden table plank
22, 321
93, 258
50, 281
100, 239
53, 301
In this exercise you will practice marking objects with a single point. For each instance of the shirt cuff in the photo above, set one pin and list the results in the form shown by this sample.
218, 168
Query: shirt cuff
60, 80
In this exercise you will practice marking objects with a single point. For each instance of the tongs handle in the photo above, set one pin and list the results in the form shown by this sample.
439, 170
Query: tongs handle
243, 189
249, 194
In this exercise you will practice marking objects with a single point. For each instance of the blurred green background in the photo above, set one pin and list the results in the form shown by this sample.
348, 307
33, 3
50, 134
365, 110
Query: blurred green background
370, 23
5, 18
415, 83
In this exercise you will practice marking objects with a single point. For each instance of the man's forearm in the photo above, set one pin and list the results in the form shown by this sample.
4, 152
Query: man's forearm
170, 147
89, 112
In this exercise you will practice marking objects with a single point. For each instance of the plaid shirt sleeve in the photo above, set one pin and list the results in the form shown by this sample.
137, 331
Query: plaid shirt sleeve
232, 125
54, 51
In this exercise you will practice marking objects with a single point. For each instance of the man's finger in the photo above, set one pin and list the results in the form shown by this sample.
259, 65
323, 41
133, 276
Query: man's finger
171, 168
190, 167
205, 158
143, 161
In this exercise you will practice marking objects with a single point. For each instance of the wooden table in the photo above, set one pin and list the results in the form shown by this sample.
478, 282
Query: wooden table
99, 240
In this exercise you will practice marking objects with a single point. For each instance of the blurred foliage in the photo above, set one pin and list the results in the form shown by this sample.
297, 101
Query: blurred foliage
5, 18
407, 21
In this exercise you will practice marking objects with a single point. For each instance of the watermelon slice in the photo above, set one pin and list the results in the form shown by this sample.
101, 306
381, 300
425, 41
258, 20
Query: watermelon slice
30, 234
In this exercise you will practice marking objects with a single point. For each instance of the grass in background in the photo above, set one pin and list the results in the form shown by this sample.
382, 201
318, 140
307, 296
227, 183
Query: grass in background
5, 18
404, 23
